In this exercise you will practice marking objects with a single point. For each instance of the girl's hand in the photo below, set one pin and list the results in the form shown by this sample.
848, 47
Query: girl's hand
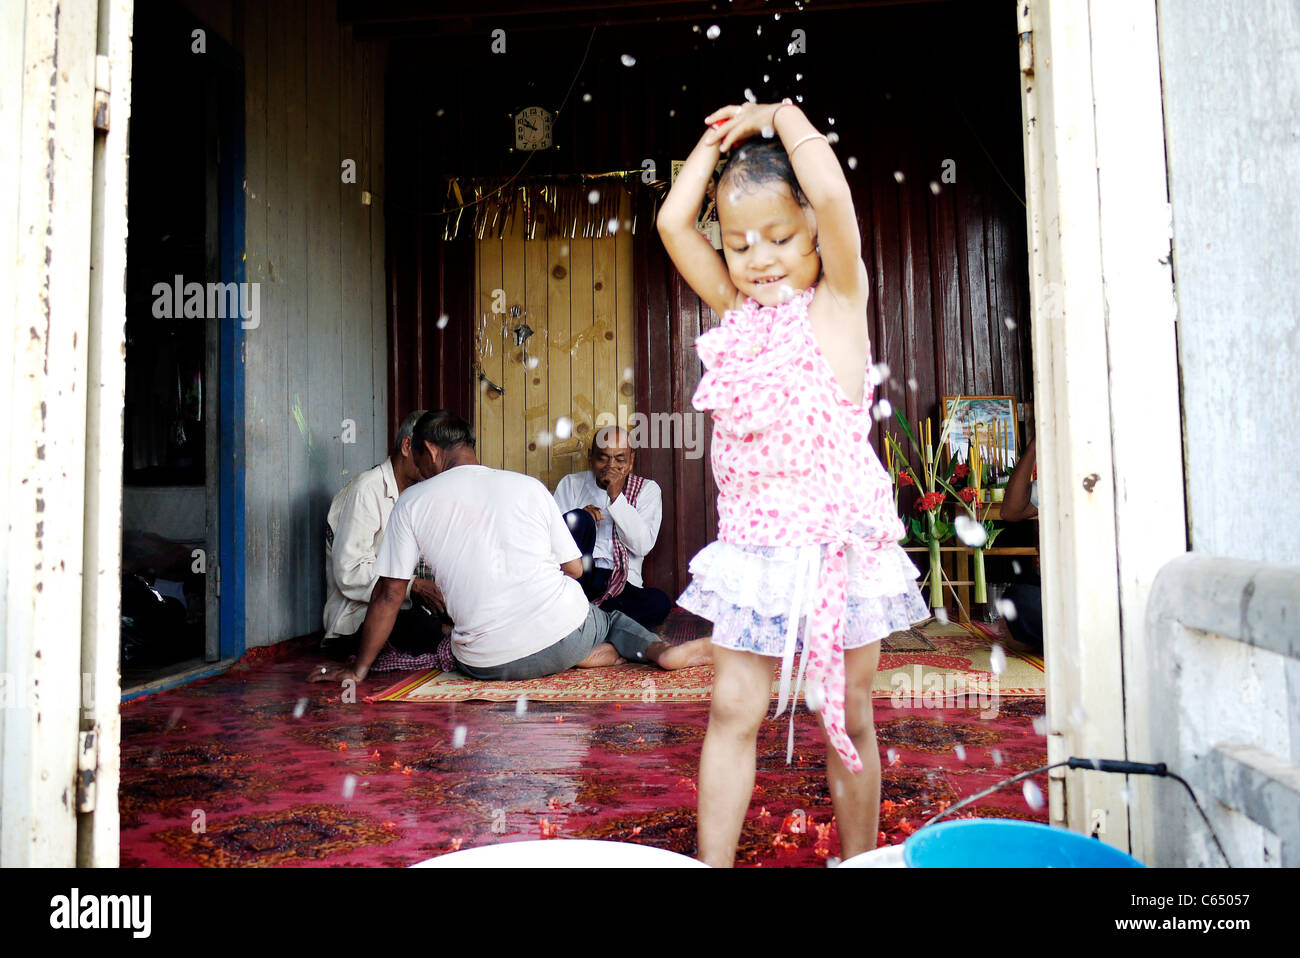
732, 124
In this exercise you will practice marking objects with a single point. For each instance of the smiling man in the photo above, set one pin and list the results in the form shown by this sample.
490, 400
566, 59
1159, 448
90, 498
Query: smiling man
614, 516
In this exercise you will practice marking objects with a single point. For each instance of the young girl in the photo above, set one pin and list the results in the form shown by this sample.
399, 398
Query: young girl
807, 530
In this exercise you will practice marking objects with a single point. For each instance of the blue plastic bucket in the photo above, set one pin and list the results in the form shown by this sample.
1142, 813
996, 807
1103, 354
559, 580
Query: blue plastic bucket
1005, 843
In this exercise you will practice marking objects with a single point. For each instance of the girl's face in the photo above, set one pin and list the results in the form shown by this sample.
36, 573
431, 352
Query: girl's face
769, 241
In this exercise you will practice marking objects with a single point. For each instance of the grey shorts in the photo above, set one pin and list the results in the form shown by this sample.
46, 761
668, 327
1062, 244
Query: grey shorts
624, 633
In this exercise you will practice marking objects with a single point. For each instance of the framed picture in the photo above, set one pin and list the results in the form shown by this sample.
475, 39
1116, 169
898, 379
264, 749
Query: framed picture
990, 419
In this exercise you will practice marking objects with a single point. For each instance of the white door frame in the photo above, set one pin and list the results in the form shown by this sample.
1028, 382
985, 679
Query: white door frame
1105, 383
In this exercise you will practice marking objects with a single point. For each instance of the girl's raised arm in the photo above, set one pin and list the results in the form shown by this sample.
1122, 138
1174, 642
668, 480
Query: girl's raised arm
820, 177
692, 254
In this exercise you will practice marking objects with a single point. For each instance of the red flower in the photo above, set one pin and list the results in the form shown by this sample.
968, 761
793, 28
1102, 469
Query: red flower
961, 472
905, 480
929, 501
967, 495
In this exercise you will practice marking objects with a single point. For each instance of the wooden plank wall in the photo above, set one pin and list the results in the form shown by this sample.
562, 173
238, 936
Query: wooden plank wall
319, 356
935, 90
576, 296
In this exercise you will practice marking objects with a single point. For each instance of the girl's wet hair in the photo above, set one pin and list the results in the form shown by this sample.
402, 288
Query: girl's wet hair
758, 163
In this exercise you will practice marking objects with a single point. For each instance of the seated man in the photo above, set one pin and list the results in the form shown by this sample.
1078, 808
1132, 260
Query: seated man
508, 568
353, 531
614, 515
1026, 594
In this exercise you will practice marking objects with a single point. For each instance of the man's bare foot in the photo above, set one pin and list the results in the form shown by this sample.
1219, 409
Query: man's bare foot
601, 657
685, 656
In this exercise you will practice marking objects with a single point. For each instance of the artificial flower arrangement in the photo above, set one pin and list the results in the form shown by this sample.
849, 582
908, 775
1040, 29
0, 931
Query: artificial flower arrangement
935, 483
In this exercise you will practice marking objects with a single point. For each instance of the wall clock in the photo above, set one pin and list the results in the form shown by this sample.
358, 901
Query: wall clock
533, 128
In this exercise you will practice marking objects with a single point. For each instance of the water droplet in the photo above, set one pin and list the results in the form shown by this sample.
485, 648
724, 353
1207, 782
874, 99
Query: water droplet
521, 706
1007, 609
760, 31
544, 439
1033, 795
1040, 725
960, 752
892, 755
563, 427
767, 132
532, 362
593, 197
751, 237
749, 95
766, 78
912, 384
586, 98
830, 121
776, 16
853, 162
816, 697
898, 176
996, 755
696, 28
941, 614
612, 225
628, 60
997, 659
971, 533
798, 76
832, 137
831, 860
300, 708
1078, 716
1015, 567
458, 737
443, 320
1009, 322
349, 786
786, 292
934, 187
672, 113
564, 250
883, 410
798, 98
627, 374
440, 111
1126, 795
712, 34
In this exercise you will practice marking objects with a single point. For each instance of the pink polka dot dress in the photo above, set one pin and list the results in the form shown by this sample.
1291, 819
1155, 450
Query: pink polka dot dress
808, 536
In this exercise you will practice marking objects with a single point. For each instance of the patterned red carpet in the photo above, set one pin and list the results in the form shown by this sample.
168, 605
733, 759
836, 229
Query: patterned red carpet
256, 767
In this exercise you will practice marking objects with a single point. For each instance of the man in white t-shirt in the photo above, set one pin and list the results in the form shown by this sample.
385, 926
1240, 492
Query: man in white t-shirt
507, 567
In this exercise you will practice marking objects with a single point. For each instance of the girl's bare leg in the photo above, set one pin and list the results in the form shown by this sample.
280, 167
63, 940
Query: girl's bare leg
742, 692
857, 797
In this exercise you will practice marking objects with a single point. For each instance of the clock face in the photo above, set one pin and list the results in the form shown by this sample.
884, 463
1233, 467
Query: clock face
533, 128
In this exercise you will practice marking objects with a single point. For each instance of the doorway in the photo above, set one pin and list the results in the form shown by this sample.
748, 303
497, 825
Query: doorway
183, 394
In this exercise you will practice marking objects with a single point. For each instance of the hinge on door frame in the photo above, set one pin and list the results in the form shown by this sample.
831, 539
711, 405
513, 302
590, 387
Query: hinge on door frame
1025, 29
218, 590
87, 768
103, 86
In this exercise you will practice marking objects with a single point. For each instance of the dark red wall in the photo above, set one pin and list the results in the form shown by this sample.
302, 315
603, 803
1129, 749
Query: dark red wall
908, 88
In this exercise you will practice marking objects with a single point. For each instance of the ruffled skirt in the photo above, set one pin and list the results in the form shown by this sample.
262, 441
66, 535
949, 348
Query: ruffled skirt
749, 593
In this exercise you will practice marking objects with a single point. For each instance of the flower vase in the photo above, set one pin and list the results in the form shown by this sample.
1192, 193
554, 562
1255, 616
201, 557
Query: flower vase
936, 568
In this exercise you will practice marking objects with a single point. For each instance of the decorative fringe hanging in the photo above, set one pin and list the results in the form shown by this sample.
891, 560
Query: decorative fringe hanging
552, 207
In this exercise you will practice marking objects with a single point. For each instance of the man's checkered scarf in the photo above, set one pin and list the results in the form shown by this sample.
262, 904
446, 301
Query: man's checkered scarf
618, 578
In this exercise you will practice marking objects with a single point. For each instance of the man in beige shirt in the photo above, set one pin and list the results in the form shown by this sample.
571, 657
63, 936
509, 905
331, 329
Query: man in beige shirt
354, 529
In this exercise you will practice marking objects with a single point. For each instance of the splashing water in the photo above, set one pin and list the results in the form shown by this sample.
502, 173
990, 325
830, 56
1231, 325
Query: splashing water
751, 237
798, 98
832, 137
612, 224
300, 708
830, 121
593, 197
1009, 322
971, 533
628, 60
1040, 725
521, 706
941, 614
349, 786
532, 362
443, 320
934, 187
1033, 795
1078, 716
882, 410
912, 384
816, 697
767, 132
996, 755
544, 439
853, 162
586, 98
786, 291
1007, 609
892, 755
627, 374
960, 752
898, 176
749, 95
997, 659
563, 427
1015, 567
713, 32
458, 737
